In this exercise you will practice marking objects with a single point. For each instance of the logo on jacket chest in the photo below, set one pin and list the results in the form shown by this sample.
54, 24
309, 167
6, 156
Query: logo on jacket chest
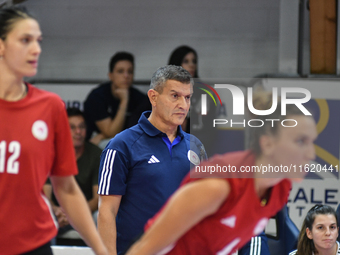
193, 157
153, 160
40, 130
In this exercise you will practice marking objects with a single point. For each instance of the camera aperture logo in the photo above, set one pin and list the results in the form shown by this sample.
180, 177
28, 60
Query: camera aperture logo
204, 98
238, 101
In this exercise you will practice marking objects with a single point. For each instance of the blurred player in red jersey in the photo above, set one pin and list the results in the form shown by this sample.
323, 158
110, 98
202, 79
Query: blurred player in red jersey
35, 143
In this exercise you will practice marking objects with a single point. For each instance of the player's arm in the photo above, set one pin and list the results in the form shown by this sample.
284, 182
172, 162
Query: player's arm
111, 189
188, 206
72, 200
110, 127
107, 212
93, 203
61, 216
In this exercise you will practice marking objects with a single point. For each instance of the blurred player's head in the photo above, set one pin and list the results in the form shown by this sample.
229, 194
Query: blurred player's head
121, 69
20, 38
319, 230
289, 143
77, 125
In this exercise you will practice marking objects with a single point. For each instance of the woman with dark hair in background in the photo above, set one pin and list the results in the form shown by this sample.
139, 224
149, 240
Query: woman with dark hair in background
186, 57
35, 142
319, 232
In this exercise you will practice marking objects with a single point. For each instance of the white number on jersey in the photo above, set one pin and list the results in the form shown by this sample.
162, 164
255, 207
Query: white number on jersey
12, 166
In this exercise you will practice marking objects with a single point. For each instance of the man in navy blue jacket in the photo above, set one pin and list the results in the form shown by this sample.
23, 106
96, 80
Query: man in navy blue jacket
143, 165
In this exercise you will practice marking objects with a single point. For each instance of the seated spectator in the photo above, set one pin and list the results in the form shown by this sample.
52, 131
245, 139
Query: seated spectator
114, 105
88, 159
319, 232
185, 57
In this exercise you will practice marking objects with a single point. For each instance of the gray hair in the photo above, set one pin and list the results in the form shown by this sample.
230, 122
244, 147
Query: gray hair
169, 72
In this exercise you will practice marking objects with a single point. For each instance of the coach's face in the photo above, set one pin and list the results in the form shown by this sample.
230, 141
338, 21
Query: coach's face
172, 104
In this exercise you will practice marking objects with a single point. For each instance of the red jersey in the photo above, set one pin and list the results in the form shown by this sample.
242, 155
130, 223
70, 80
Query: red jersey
35, 142
239, 218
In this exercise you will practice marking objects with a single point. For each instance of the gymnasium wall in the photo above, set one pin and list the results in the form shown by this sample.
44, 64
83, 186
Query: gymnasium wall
234, 38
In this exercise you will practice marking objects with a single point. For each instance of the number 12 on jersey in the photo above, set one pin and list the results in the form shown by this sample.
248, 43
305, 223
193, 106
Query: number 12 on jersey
12, 166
